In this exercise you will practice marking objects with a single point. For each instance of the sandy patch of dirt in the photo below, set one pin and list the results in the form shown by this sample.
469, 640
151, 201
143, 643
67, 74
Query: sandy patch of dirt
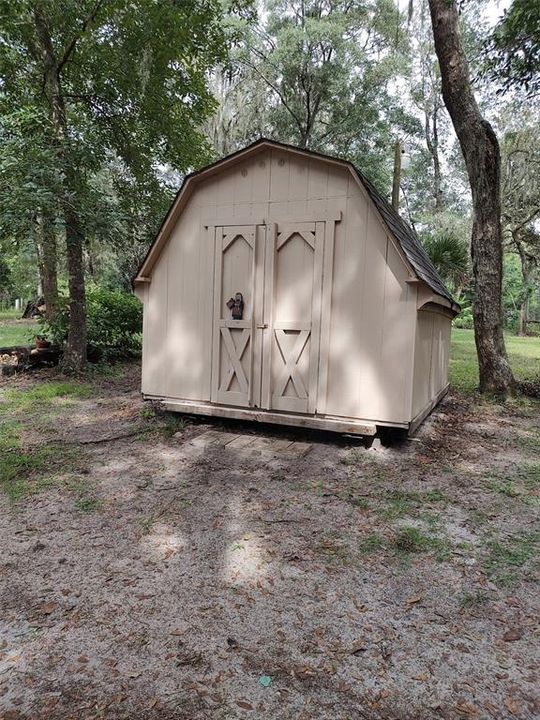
196, 572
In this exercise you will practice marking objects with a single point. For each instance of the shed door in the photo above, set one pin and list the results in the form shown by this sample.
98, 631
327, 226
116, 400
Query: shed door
292, 312
234, 376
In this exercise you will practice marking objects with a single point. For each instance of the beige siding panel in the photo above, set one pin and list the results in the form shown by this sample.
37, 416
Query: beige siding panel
422, 390
279, 176
298, 179
440, 351
260, 177
317, 181
154, 367
338, 181
398, 326
185, 339
431, 357
348, 352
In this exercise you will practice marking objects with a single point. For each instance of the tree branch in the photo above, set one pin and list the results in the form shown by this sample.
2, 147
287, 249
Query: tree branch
72, 44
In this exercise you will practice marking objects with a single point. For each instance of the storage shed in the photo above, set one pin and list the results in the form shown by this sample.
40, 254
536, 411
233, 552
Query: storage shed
283, 288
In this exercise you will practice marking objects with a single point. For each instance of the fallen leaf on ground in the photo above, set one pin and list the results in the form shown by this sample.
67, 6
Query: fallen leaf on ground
358, 647
413, 600
513, 634
244, 705
512, 706
48, 608
467, 708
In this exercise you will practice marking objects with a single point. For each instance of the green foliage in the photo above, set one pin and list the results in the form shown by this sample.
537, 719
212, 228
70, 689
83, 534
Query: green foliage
318, 75
513, 52
446, 237
91, 89
465, 318
450, 255
114, 321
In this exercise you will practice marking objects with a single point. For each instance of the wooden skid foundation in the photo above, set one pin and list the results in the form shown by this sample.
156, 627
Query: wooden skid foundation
340, 425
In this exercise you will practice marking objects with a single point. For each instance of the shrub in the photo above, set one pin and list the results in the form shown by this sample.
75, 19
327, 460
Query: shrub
465, 318
114, 323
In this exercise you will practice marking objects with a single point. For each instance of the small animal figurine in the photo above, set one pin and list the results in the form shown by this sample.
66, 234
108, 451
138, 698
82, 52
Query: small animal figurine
236, 306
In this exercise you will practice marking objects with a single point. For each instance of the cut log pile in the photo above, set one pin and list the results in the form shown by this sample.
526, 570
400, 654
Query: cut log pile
16, 359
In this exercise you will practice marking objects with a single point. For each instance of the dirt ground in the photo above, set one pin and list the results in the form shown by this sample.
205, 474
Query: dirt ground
149, 576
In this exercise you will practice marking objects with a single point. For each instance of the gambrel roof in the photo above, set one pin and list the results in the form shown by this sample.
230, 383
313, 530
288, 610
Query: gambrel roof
403, 234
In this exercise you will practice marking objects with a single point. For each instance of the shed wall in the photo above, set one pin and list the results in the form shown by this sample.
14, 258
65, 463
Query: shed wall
431, 357
373, 308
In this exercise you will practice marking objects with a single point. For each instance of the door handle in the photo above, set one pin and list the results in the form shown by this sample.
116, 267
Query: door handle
262, 327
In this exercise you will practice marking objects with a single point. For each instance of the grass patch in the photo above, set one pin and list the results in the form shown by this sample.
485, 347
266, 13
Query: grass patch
474, 599
508, 556
406, 502
14, 331
26, 469
353, 457
146, 525
530, 474
524, 485
401, 503
523, 353
45, 394
171, 423
372, 543
88, 504
410, 540
531, 441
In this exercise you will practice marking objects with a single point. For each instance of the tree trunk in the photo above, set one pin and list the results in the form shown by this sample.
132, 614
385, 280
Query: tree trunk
75, 352
482, 158
47, 261
74, 358
437, 180
526, 275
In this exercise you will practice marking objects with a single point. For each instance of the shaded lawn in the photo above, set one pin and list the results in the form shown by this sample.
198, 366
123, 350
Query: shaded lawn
523, 352
14, 331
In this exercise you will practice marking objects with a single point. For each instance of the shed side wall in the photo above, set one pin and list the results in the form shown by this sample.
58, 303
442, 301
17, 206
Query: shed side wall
431, 358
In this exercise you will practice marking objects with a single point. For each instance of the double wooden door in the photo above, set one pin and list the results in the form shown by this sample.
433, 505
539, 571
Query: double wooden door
270, 358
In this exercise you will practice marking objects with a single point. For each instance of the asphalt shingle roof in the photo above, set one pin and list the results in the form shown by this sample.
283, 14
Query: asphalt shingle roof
408, 240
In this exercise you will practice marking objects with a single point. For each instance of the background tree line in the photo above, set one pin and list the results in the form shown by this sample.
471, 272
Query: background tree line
106, 105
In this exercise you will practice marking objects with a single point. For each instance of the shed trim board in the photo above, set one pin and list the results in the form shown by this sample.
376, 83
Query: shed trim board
344, 323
